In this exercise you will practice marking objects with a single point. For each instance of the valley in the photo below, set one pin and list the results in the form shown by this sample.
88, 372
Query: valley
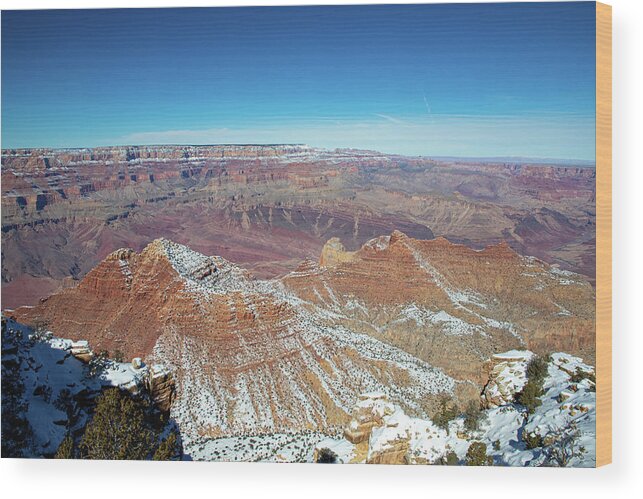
352, 298
269, 207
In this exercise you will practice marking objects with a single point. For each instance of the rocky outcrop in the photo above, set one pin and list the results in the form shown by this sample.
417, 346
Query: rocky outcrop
367, 414
567, 407
161, 386
80, 350
463, 305
233, 343
507, 374
334, 253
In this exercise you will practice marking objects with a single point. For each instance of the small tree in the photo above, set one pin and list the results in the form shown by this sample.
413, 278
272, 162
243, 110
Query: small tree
530, 395
118, 356
446, 413
66, 449
448, 459
477, 455
326, 456
117, 430
65, 403
40, 331
532, 440
97, 363
472, 416
537, 368
168, 449
17, 433
564, 446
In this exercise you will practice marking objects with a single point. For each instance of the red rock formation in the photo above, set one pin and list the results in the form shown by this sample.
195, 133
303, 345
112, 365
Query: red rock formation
297, 351
269, 207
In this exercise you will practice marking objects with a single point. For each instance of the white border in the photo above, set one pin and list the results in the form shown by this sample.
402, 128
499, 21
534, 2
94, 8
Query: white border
49, 479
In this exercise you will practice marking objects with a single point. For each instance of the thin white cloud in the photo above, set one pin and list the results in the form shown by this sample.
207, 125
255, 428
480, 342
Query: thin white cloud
474, 136
392, 119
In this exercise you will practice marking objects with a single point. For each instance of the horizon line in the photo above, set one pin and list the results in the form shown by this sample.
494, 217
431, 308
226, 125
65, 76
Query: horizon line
496, 159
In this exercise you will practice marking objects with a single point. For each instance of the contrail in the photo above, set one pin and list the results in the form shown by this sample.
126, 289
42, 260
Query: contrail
390, 118
428, 109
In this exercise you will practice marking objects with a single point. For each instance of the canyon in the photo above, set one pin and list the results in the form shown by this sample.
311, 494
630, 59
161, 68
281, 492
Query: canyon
348, 295
412, 319
267, 207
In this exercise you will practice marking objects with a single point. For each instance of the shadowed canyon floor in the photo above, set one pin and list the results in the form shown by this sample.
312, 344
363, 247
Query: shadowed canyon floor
269, 207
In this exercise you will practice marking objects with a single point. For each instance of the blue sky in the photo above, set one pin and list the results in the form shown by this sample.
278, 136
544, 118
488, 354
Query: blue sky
443, 80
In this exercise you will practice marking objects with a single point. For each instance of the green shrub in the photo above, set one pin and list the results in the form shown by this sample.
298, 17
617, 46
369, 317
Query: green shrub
168, 449
118, 429
532, 440
118, 356
326, 456
496, 445
97, 364
452, 459
448, 459
579, 375
537, 368
447, 411
472, 416
477, 455
66, 449
530, 395
563, 448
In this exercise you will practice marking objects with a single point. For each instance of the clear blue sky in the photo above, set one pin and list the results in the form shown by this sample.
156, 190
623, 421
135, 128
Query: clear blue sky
458, 80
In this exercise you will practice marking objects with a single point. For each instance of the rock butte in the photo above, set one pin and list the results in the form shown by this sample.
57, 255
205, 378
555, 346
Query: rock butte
269, 207
408, 318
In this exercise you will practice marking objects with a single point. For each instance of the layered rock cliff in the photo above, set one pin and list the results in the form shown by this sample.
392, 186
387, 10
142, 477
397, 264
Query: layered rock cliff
407, 318
268, 207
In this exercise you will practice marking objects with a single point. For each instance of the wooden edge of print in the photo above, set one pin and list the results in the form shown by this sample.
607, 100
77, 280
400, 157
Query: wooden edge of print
603, 234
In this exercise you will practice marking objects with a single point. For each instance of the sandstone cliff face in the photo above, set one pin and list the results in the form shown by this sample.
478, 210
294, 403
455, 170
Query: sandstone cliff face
246, 355
161, 387
116, 305
269, 207
407, 318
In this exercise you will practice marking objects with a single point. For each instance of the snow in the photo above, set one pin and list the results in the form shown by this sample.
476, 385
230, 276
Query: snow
290, 447
47, 368
379, 243
501, 428
450, 325
524, 355
507, 377
265, 396
344, 450
249, 413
